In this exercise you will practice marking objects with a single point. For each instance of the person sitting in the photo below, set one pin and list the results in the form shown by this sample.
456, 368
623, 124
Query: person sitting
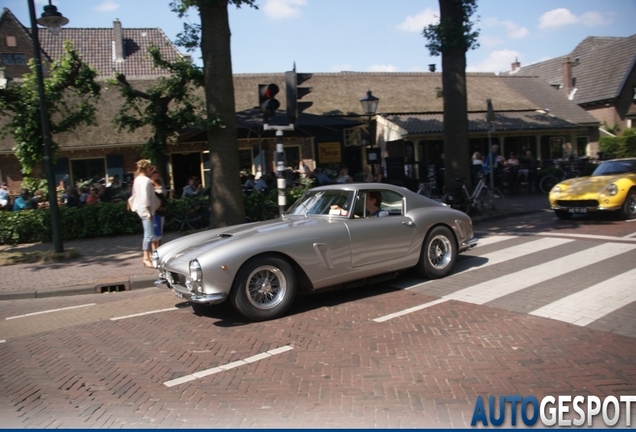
374, 203
22, 201
249, 184
104, 193
322, 178
93, 196
344, 176
261, 184
83, 194
192, 189
4, 196
38, 201
70, 197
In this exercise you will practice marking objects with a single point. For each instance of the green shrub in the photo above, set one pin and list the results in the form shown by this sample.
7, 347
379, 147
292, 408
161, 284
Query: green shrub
108, 219
620, 146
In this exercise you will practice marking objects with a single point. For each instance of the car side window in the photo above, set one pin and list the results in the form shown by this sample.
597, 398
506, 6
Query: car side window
393, 203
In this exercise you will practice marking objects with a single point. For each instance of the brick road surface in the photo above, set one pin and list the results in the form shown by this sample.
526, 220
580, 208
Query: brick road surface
424, 369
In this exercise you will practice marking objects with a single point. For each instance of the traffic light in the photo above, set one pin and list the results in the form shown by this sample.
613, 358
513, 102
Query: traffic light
294, 106
267, 99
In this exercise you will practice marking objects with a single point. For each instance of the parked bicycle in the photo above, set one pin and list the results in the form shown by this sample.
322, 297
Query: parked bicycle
551, 180
486, 199
196, 215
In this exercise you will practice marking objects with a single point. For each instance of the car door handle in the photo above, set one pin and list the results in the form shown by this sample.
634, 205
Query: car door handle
408, 223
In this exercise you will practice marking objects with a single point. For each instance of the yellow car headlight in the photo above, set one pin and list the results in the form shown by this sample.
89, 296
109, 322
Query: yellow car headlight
610, 190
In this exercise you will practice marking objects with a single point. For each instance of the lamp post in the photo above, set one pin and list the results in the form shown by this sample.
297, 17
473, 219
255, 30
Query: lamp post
54, 20
369, 106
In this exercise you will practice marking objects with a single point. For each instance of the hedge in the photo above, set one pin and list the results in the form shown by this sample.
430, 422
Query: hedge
108, 219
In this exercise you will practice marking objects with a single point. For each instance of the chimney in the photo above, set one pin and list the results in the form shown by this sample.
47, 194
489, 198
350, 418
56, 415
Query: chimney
431, 67
567, 75
118, 42
516, 65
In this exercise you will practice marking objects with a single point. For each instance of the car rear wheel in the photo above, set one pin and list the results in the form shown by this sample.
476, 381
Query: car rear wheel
264, 288
563, 215
438, 253
628, 211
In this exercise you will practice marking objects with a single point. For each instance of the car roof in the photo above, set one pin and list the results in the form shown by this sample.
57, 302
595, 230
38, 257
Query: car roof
363, 186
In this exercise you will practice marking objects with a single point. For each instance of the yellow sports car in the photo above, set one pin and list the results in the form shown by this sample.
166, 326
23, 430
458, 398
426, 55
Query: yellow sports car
611, 187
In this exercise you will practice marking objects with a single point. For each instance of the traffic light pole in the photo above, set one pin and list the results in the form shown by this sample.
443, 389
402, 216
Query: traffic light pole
281, 184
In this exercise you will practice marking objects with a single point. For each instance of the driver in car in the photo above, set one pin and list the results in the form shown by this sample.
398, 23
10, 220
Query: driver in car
374, 202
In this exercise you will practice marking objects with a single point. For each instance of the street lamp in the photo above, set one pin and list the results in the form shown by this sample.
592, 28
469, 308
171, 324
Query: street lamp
369, 106
54, 20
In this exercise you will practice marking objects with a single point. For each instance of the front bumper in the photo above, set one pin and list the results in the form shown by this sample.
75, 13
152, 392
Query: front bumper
185, 294
467, 245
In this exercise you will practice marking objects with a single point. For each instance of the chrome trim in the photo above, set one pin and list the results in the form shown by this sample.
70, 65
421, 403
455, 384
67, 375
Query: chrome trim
468, 245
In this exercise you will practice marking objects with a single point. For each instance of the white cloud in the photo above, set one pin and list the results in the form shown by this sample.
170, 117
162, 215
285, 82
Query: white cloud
107, 6
417, 22
488, 42
382, 68
281, 9
497, 61
561, 17
513, 30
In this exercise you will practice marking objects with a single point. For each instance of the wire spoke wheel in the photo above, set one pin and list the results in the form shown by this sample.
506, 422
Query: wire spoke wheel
266, 287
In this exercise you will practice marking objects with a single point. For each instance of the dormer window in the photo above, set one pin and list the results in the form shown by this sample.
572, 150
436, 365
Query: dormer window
10, 41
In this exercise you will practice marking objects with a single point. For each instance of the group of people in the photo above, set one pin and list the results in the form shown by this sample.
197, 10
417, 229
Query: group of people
509, 171
25, 201
149, 201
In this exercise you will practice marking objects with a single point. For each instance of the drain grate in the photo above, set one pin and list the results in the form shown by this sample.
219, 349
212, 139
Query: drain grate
111, 287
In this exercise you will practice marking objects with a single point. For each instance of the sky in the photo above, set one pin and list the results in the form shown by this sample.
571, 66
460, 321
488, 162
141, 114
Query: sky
367, 35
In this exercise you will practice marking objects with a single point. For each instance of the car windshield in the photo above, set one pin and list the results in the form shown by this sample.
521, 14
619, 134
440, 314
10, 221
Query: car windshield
615, 167
326, 202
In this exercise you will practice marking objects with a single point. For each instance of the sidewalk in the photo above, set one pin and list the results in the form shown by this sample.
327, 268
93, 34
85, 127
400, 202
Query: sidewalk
112, 264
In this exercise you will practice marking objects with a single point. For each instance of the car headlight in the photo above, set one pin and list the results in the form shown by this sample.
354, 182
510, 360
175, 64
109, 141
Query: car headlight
196, 274
155, 259
556, 190
610, 190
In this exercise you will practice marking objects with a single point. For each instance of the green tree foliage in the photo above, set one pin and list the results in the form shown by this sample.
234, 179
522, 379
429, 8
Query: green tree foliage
213, 35
452, 37
166, 107
620, 146
71, 94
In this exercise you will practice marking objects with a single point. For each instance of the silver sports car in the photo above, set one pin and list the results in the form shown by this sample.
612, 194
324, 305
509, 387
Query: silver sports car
331, 237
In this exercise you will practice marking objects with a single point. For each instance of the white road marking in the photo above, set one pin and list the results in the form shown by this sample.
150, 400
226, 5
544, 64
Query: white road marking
3, 340
409, 310
49, 311
495, 288
493, 239
227, 366
630, 235
144, 313
579, 236
590, 304
500, 256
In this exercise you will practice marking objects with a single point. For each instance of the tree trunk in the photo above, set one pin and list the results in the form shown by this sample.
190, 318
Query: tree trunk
456, 148
225, 187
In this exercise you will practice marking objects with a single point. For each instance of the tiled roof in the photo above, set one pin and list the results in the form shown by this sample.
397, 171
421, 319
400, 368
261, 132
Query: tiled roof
600, 68
421, 124
96, 47
545, 96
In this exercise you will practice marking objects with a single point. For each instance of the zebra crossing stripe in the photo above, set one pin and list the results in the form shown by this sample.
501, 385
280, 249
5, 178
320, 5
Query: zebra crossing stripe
495, 288
493, 239
497, 257
590, 304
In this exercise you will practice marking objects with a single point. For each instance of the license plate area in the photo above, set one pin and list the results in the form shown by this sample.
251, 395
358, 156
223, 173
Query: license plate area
578, 210
178, 294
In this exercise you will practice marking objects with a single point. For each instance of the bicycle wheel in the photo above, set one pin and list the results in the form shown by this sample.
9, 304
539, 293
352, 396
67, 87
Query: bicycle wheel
547, 183
491, 201
197, 215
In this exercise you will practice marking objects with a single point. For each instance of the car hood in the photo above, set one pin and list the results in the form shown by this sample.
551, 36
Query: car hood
177, 254
591, 184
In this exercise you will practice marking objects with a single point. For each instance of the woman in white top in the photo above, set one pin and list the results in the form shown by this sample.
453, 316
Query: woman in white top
477, 159
144, 202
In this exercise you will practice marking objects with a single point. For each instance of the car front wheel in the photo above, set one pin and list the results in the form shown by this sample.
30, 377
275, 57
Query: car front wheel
438, 253
264, 288
628, 211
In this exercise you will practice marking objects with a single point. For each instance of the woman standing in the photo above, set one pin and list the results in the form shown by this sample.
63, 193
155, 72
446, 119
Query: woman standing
159, 217
144, 202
